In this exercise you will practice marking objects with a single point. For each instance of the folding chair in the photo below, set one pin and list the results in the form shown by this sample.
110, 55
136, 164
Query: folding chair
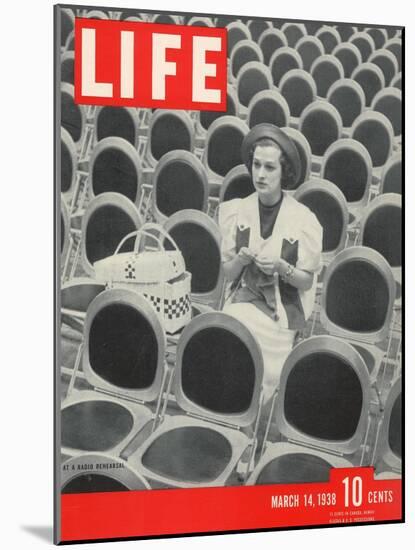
365, 43
375, 132
96, 14
75, 297
348, 165
67, 67
243, 52
236, 31
293, 32
204, 119
123, 360
349, 99
120, 122
217, 386
252, 78
200, 22
322, 414
270, 41
357, 302
236, 185
115, 166
394, 45
397, 81
257, 27
222, 150
329, 205
329, 37
387, 456
198, 238
299, 89
386, 62
349, 56
326, 70
391, 177
108, 218
381, 229
379, 36
309, 48
99, 473
304, 150
370, 78
389, 102
283, 60
179, 183
321, 124
268, 106
73, 117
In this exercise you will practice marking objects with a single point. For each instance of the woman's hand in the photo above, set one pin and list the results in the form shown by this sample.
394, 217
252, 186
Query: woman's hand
246, 256
267, 265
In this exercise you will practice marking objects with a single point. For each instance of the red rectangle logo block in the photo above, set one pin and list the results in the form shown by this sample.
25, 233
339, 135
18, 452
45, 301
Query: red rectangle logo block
351, 496
132, 64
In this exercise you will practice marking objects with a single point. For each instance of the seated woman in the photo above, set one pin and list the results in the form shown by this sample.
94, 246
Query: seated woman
271, 248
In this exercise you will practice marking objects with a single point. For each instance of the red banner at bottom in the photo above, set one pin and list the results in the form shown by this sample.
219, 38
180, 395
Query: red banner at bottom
351, 496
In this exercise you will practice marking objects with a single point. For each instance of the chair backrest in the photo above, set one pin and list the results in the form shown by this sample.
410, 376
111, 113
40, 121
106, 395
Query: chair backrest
326, 70
243, 52
293, 32
348, 165
329, 37
299, 89
107, 219
69, 159
206, 118
389, 448
237, 184
324, 395
257, 27
283, 60
329, 205
200, 22
73, 116
304, 150
252, 78
381, 227
64, 229
269, 42
68, 67
124, 345
219, 370
309, 48
268, 106
96, 14
168, 130
120, 122
223, 145
375, 132
115, 166
349, 56
365, 43
389, 102
386, 62
358, 295
179, 183
198, 238
80, 474
348, 98
321, 124
370, 78
391, 178
236, 31
397, 81
394, 45
380, 36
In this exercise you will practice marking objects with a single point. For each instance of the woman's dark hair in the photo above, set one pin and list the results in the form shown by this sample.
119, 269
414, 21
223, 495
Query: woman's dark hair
288, 174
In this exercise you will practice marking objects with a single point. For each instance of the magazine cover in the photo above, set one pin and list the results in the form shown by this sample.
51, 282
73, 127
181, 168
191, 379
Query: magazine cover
229, 292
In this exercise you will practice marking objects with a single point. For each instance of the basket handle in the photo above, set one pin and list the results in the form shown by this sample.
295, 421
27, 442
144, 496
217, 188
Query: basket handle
144, 231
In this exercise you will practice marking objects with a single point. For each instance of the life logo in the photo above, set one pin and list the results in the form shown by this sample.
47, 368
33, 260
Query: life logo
133, 64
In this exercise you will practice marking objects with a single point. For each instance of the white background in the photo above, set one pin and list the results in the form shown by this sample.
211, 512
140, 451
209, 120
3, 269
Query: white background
26, 287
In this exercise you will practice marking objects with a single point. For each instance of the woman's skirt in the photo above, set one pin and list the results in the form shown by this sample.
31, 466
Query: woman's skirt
275, 342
